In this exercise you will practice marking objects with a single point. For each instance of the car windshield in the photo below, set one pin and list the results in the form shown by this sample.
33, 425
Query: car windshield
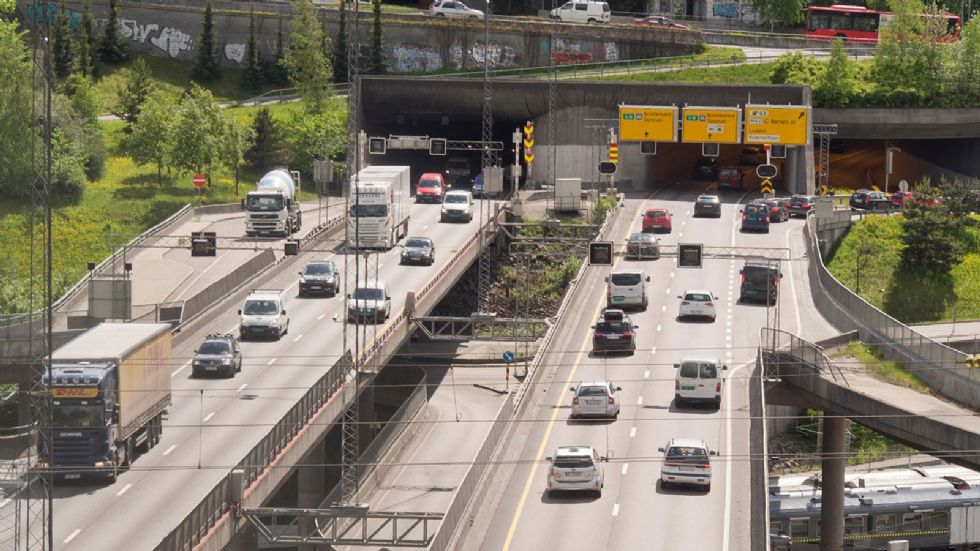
429, 184
707, 199
77, 416
700, 297
368, 293
687, 453
592, 391
214, 347
642, 238
417, 244
260, 308
625, 279
317, 269
264, 203
728, 171
362, 211
456, 199
611, 327
656, 213
573, 462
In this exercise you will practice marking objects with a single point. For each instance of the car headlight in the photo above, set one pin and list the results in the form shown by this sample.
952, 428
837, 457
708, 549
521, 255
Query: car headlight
302, 279
444, 209
226, 361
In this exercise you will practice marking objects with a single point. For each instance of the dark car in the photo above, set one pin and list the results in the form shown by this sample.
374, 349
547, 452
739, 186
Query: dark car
707, 205
217, 355
731, 177
755, 217
643, 245
319, 277
800, 205
418, 250
778, 209
752, 155
706, 168
614, 332
865, 199
760, 282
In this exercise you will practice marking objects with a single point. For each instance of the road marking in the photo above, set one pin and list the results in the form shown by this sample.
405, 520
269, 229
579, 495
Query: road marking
72, 535
646, 374
653, 351
272, 361
663, 308
170, 449
241, 388
658, 327
124, 490
668, 291
5, 502
616, 510
298, 337
680, 235
792, 289
633, 432
425, 228
672, 273
208, 417
183, 367
626, 467
320, 317
639, 401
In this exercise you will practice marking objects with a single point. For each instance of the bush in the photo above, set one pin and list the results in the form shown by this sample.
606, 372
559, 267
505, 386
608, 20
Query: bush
796, 68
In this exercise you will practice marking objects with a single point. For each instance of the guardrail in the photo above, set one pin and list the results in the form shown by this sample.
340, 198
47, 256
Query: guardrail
947, 371
809, 354
478, 467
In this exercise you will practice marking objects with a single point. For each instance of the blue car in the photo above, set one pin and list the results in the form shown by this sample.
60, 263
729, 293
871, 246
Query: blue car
755, 217
478, 185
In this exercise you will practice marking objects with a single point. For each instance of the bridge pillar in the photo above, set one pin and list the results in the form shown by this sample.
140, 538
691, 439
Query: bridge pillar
832, 484
311, 488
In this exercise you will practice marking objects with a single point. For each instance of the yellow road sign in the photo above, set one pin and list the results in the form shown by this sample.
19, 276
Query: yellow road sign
647, 123
766, 186
710, 124
875, 188
777, 124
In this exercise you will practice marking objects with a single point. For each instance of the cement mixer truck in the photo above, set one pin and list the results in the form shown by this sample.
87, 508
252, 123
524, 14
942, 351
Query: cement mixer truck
273, 208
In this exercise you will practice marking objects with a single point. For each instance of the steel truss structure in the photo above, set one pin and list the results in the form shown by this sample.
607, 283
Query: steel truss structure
480, 328
344, 526
824, 132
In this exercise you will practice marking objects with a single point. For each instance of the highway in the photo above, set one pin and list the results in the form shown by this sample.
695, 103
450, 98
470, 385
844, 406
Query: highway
213, 423
634, 512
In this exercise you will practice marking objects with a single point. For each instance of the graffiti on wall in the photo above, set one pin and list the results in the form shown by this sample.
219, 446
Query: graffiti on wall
414, 58
235, 52
499, 55
578, 51
36, 14
612, 51
733, 11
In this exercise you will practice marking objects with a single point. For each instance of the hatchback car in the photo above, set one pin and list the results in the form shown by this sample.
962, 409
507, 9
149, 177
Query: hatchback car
370, 302
902, 199
431, 188
658, 219
575, 468
752, 155
864, 199
698, 380
686, 461
731, 177
418, 250
755, 217
454, 8
614, 331
778, 209
595, 399
658, 21
800, 205
706, 168
643, 245
319, 277
217, 355
707, 205
697, 304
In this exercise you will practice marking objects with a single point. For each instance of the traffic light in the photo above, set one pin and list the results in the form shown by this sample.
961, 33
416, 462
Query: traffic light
204, 243
690, 255
606, 167
601, 253
377, 146
437, 146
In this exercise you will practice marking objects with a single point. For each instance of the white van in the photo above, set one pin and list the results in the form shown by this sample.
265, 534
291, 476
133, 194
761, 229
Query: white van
582, 11
263, 315
698, 380
625, 288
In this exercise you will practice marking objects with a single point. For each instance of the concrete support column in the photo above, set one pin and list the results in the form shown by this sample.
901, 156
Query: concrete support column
791, 171
311, 488
832, 485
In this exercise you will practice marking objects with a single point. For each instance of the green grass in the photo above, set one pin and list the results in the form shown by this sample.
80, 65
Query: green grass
909, 296
753, 73
882, 369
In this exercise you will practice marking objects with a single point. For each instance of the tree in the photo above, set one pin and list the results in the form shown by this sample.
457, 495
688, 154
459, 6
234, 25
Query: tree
909, 63
275, 72
252, 76
83, 98
318, 134
269, 146
778, 12
15, 126
796, 68
965, 78
112, 48
201, 129
378, 61
138, 87
835, 86
63, 46
206, 69
154, 136
238, 139
305, 62
929, 232
87, 43
340, 45
959, 198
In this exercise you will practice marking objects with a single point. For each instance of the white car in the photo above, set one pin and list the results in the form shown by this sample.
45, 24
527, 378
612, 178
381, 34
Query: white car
457, 205
369, 303
686, 461
627, 287
698, 380
697, 304
595, 398
453, 8
575, 468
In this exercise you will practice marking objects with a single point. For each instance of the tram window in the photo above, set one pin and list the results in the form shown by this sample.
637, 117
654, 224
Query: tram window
938, 521
912, 521
855, 524
799, 527
884, 523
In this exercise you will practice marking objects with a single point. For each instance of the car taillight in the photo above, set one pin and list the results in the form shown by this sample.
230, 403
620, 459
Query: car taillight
718, 386
806, 205
743, 278
684, 303
775, 281
555, 474
705, 466
610, 401
711, 304
677, 384
627, 333
744, 217
575, 401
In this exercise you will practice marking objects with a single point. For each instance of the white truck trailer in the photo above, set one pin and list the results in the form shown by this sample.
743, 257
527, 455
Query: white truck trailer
274, 207
380, 207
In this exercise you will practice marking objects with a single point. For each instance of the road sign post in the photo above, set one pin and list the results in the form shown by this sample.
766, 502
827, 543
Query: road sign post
199, 182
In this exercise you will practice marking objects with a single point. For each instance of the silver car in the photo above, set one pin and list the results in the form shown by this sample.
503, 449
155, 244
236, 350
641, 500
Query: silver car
418, 250
369, 303
595, 399
454, 8
576, 468
686, 461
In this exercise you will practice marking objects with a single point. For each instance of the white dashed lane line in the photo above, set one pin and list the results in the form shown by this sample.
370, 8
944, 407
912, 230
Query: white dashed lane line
170, 449
208, 417
633, 432
298, 337
658, 327
181, 368
626, 467
272, 361
241, 388
72, 536
320, 317
646, 374
616, 510
124, 490
639, 401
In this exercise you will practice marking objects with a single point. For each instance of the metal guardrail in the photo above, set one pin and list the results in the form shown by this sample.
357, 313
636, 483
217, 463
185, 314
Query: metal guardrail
456, 512
809, 354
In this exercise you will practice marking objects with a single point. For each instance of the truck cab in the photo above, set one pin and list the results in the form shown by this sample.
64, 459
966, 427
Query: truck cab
273, 208
263, 314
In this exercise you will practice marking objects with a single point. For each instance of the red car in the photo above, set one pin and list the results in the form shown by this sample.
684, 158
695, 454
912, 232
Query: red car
431, 188
658, 21
657, 220
900, 198
730, 177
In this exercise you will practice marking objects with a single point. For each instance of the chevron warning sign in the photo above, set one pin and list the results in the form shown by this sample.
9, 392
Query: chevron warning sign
876, 188
824, 190
529, 142
766, 186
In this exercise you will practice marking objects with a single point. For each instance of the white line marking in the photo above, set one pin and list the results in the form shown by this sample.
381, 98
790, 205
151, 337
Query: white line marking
639, 401
241, 388
425, 228
653, 351
668, 291
633, 432
616, 510
272, 361
5, 502
680, 235
663, 308
208, 417
672, 273
792, 290
124, 490
320, 317
298, 337
72, 535
626, 467
170, 449
658, 327
181, 368
646, 374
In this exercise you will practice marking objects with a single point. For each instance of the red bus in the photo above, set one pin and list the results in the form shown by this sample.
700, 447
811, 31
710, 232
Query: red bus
857, 23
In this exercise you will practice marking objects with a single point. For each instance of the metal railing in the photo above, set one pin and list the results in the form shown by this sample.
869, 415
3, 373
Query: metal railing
806, 354
759, 451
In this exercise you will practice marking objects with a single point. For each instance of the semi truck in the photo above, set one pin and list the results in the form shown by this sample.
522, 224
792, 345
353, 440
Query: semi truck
273, 208
109, 388
380, 207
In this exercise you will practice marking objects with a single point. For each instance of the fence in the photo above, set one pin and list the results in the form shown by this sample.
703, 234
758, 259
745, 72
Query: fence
945, 367
464, 494
805, 354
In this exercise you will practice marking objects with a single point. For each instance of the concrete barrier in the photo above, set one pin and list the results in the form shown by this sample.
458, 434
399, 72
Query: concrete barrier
217, 290
759, 462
